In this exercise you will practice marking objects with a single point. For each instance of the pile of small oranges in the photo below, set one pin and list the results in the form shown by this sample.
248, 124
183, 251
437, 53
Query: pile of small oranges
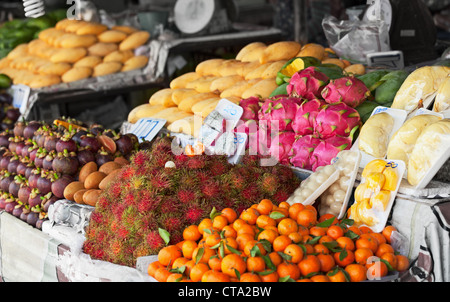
277, 243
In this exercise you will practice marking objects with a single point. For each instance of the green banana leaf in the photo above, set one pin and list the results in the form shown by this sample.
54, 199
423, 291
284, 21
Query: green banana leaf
331, 70
390, 84
371, 78
365, 109
280, 90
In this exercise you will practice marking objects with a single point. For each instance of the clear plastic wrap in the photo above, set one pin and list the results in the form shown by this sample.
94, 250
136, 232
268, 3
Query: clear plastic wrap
354, 39
335, 199
331, 184
375, 195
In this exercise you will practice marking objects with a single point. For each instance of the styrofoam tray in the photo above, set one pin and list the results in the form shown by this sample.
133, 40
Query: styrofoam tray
312, 196
383, 216
350, 185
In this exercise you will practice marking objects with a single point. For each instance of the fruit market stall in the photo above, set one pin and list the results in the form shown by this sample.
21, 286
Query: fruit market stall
284, 163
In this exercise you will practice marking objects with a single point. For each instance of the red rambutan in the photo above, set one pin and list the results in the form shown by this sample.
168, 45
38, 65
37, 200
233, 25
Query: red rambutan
118, 210
115, 190
268, 183
116, 247
185, 195
122, 232
147, 201
169, 205
126, 173
97, 217
140, 158
211, 189
180, 160
218, 167
160, 181
250, 193
196, 162
171, 223
154, 240
193, 214
129, 199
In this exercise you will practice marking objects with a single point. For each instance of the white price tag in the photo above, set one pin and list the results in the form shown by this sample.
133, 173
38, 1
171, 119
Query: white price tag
230, 111
241, 141
147, 128
20, 96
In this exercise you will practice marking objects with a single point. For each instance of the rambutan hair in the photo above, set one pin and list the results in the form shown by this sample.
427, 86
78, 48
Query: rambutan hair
154, 240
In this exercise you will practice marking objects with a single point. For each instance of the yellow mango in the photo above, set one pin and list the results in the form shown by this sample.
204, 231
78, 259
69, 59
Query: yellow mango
376, 165
375, 181
283, 50
162, 97
182, 80
380, 200
312, 50
293, 67
391, 178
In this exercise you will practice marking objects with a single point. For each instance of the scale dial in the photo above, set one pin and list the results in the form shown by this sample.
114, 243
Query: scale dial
192, 16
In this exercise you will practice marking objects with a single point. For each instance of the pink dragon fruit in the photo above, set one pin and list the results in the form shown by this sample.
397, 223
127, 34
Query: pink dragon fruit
301, 151
277, 113
350, 90
304, 121
307, 83
328, 149
251, 107
336, 119
281, 145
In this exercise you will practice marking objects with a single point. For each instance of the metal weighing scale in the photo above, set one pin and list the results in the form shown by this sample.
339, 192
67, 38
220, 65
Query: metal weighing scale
196, 17
412, 32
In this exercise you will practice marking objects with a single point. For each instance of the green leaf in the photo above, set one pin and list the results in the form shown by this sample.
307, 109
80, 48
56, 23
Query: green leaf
270, 265
389, 266
276, 215
333, 272
326, 223
352, 235
233, 250
214, 213
314, 240
165, 235
238, 274
331, 245
266, 245
285, 256
343, 254
311, 275
347, 222
286, 279
266, 272
221, 249
199, 255
179, 270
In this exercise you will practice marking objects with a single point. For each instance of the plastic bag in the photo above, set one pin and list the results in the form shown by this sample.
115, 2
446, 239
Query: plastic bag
354, 39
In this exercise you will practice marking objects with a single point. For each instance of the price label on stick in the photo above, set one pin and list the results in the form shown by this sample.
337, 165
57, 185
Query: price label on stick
147, 128
20, 96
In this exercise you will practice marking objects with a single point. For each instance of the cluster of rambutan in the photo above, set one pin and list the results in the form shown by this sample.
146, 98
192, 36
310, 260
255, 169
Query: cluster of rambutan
146, 197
